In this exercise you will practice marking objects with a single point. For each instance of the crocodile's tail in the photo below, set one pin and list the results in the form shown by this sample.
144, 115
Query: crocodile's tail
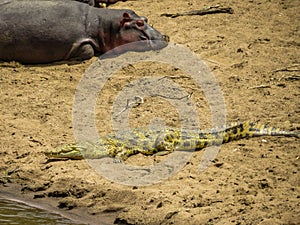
235, 131
253, 129
263, 130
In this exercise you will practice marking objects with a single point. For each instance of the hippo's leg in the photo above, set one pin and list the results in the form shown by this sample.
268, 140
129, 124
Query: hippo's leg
82, 50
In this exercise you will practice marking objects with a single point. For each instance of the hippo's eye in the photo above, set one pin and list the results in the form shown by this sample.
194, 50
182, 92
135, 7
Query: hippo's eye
140, 23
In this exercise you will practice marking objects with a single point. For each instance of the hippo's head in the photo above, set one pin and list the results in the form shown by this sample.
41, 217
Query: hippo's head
133, 33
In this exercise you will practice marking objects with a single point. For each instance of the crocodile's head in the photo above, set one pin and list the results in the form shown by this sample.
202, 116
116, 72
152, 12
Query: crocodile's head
71, 151
86, 150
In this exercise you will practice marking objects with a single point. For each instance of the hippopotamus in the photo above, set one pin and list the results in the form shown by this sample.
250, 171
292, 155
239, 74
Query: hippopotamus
47, 31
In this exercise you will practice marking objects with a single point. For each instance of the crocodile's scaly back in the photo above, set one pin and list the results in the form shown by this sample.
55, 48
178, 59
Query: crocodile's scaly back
149, 142
185, 141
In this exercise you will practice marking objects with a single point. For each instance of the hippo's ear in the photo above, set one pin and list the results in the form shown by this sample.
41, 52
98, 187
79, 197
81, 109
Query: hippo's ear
126, 19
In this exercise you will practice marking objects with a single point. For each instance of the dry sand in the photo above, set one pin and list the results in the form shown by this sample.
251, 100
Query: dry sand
254, 55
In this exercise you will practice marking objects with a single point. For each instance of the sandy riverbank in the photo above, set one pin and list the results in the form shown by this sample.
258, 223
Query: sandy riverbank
254, 55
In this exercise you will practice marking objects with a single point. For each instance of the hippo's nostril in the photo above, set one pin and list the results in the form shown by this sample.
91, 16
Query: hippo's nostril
166, 38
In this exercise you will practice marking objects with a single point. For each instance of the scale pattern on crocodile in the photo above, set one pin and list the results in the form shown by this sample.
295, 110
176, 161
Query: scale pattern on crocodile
121, 145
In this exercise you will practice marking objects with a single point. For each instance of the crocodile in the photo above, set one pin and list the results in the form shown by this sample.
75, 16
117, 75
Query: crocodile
122, 145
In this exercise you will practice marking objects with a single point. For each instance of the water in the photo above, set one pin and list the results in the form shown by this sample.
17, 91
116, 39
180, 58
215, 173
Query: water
16, 213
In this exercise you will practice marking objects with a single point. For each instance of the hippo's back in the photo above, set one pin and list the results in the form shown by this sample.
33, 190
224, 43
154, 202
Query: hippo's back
40, 31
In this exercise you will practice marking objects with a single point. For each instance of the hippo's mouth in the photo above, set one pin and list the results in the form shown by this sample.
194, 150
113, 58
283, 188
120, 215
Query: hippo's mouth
145, 42
144, 37
154, 42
